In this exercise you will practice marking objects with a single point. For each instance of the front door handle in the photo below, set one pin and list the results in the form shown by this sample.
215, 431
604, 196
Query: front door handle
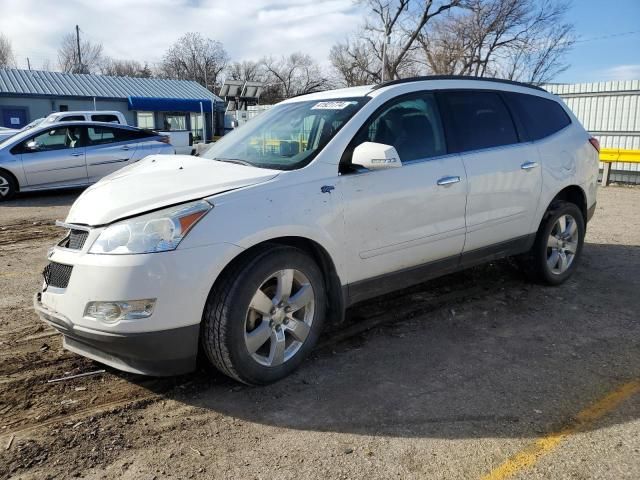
126, 147
528, 165
448, 180
76, 154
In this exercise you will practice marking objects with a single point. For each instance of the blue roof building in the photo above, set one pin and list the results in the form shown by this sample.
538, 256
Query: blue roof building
26, 95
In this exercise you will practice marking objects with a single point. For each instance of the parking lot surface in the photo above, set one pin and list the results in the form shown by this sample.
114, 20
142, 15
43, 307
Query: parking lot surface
475, 375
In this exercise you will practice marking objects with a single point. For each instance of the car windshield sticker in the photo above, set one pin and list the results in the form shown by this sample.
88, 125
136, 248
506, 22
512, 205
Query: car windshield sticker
331, 105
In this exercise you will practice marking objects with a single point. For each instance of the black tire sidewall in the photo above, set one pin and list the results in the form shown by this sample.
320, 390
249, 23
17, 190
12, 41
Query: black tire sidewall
540, 258
244, 287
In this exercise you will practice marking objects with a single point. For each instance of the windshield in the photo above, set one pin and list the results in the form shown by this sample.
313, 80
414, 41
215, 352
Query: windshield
287, 136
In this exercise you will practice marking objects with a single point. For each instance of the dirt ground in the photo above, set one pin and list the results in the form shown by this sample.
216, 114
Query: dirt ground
446, 380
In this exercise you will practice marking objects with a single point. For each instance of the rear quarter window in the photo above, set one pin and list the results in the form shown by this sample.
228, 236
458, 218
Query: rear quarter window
541, 117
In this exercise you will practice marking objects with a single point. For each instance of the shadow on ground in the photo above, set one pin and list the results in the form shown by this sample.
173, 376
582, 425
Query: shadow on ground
516, 360
49, 198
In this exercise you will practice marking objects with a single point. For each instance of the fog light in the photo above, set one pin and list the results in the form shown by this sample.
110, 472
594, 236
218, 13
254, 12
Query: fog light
124, 310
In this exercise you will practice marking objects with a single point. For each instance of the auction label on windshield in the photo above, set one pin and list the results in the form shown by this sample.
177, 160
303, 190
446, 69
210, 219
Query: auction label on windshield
336, 105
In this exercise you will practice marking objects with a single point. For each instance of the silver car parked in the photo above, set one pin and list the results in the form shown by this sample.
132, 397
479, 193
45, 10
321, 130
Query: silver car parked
72, 154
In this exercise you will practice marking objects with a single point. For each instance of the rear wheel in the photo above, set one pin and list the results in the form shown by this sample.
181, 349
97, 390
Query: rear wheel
8, 186
558, 245
264, 316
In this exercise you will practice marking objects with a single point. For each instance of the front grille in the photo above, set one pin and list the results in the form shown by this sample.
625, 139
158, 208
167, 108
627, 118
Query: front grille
57, 275
75, 239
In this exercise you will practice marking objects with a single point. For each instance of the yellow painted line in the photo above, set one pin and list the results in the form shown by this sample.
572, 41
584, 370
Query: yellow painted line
619, 155
531, 454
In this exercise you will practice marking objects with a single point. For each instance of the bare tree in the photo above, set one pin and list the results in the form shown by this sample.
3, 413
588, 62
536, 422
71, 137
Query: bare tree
7, 59
246, 70
194, 57
387, 40
354, 63
125, 68
516, 39
69, 61
291, 75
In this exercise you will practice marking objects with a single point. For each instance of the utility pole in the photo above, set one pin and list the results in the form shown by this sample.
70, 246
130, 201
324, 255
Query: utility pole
28, 64
80, 70
385, 42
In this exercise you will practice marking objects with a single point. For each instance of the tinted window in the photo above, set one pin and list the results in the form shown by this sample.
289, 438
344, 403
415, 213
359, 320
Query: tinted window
102, 135
541, 117
479, 120
54, 139
411, 124
105, 118
72, 118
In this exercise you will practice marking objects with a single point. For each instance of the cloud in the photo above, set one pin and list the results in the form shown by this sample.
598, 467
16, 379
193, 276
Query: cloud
144, 29
621, 72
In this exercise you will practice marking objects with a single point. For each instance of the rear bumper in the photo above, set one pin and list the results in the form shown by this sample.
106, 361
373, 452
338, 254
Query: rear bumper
158, 353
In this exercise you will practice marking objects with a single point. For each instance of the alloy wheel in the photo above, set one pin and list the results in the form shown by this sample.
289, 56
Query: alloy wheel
279, 317
562, 244
4, 187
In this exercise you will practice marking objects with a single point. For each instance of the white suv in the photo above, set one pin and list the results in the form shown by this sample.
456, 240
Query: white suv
325, 200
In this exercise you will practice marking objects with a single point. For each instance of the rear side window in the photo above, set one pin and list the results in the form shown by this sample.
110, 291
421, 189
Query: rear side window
101, 135
478, 120
541, 117
105, 118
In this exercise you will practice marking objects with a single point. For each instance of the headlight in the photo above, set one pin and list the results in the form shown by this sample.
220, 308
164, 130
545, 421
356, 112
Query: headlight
154, 232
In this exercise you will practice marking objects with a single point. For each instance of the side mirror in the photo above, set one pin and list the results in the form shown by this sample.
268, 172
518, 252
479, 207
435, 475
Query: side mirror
375, 156
32, 146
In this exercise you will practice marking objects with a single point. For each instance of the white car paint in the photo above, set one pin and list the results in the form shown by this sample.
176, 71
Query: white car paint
370, 224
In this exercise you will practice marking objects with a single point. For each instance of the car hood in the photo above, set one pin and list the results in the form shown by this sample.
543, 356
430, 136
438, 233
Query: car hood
159, 181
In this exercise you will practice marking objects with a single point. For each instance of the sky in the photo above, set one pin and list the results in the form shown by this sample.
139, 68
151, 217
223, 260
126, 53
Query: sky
608, 32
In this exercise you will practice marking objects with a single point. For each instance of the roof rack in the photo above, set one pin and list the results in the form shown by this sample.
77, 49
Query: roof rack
455, 77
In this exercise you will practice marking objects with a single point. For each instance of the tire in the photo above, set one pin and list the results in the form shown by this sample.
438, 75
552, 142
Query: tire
247, 304
553, 260
8, 186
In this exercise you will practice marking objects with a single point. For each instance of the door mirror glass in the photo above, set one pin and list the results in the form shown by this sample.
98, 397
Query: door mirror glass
376, 156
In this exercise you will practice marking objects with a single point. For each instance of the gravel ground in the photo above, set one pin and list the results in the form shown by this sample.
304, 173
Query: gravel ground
444, 380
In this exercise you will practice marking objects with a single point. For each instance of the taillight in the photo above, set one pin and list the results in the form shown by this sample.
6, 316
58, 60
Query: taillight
164, 139
595, 143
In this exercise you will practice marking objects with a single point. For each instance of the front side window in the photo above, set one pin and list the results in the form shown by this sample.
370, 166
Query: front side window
478, 120
54, 139
287, 136
411, 124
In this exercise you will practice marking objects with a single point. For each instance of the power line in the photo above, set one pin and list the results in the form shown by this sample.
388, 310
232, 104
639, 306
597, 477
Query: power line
606, 37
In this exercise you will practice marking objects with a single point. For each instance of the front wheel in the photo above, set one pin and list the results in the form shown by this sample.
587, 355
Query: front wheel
558, 245
8, 186
264, 315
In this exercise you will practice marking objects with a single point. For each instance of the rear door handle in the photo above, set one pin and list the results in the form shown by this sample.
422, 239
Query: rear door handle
448, 180
126, 147
528, 165
76, 154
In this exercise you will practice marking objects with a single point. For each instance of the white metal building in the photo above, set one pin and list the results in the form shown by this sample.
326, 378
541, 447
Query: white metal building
611, 112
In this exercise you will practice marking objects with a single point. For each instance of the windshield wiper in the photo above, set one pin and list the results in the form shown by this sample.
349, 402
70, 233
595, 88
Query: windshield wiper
234, 160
